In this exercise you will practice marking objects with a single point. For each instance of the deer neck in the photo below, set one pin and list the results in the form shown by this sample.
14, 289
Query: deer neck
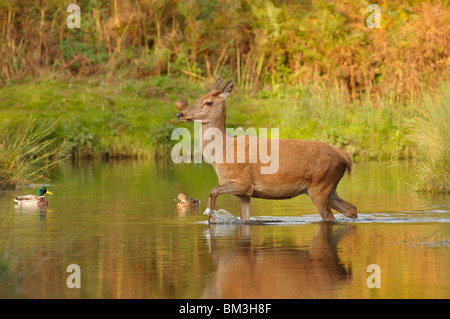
220, 125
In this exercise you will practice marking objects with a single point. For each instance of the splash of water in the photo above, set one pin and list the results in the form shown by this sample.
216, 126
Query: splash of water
222, 216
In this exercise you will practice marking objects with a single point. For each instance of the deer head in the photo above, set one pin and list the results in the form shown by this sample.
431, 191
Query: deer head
210, 108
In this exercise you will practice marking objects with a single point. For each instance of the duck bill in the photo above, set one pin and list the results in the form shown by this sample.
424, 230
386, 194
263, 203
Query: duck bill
176, 199
48, 192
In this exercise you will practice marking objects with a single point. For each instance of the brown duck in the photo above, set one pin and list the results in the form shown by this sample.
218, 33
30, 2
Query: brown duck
184, 201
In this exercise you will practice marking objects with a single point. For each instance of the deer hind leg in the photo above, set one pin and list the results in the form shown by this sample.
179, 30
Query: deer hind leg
320, 199
342, 206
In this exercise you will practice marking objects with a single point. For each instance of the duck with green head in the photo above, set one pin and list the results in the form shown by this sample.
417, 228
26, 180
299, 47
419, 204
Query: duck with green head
33, 201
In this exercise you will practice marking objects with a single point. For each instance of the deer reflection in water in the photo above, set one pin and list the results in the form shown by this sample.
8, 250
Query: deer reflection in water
247, 271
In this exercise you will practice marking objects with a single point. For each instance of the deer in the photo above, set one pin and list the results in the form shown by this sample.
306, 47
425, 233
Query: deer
304, 166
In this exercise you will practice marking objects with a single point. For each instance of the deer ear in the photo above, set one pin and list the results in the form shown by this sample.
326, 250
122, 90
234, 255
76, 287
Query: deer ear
181, 104
218, 86
228, 89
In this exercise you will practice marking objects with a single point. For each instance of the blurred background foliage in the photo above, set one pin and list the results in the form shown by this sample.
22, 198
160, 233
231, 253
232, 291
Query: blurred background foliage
260, 43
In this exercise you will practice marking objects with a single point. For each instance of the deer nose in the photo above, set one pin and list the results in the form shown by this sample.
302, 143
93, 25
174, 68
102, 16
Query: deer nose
179, 115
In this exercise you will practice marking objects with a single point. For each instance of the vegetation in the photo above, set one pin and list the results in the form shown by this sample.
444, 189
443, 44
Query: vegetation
128, 120
24, 152
262, 43
432, 136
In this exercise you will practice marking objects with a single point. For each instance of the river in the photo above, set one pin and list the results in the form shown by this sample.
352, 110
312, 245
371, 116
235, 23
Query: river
118, 222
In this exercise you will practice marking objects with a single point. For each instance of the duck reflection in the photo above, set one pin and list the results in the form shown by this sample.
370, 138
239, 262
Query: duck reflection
247, 271
40, 211
185, 211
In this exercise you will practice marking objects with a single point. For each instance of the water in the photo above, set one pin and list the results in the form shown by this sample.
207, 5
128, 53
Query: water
118, 221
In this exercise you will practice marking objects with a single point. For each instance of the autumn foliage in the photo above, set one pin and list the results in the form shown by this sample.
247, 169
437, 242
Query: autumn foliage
260, 43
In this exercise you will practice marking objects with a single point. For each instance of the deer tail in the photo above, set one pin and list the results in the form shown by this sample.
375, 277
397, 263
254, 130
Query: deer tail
349, 161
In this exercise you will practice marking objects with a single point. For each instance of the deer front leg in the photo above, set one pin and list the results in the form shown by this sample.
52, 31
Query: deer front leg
234, 189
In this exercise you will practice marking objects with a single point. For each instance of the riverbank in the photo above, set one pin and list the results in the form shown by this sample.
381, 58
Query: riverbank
95, 118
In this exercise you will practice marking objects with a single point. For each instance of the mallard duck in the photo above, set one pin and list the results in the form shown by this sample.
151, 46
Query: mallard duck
181, 104
184, 201
33, 201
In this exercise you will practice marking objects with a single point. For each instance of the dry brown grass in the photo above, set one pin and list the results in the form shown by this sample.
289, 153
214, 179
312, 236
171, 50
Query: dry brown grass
261, 43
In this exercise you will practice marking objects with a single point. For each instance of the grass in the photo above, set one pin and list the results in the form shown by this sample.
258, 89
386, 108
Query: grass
131, 118
432, 137
95, 119
364, 129
25, 150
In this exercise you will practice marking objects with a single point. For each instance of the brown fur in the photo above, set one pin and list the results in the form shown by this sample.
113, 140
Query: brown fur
310, 167
181, 104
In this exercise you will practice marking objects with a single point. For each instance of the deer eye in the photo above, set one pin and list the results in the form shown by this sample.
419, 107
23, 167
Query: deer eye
209, 103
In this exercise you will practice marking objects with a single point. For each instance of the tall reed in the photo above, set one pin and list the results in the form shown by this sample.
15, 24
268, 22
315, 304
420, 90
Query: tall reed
25, 148
432, 137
